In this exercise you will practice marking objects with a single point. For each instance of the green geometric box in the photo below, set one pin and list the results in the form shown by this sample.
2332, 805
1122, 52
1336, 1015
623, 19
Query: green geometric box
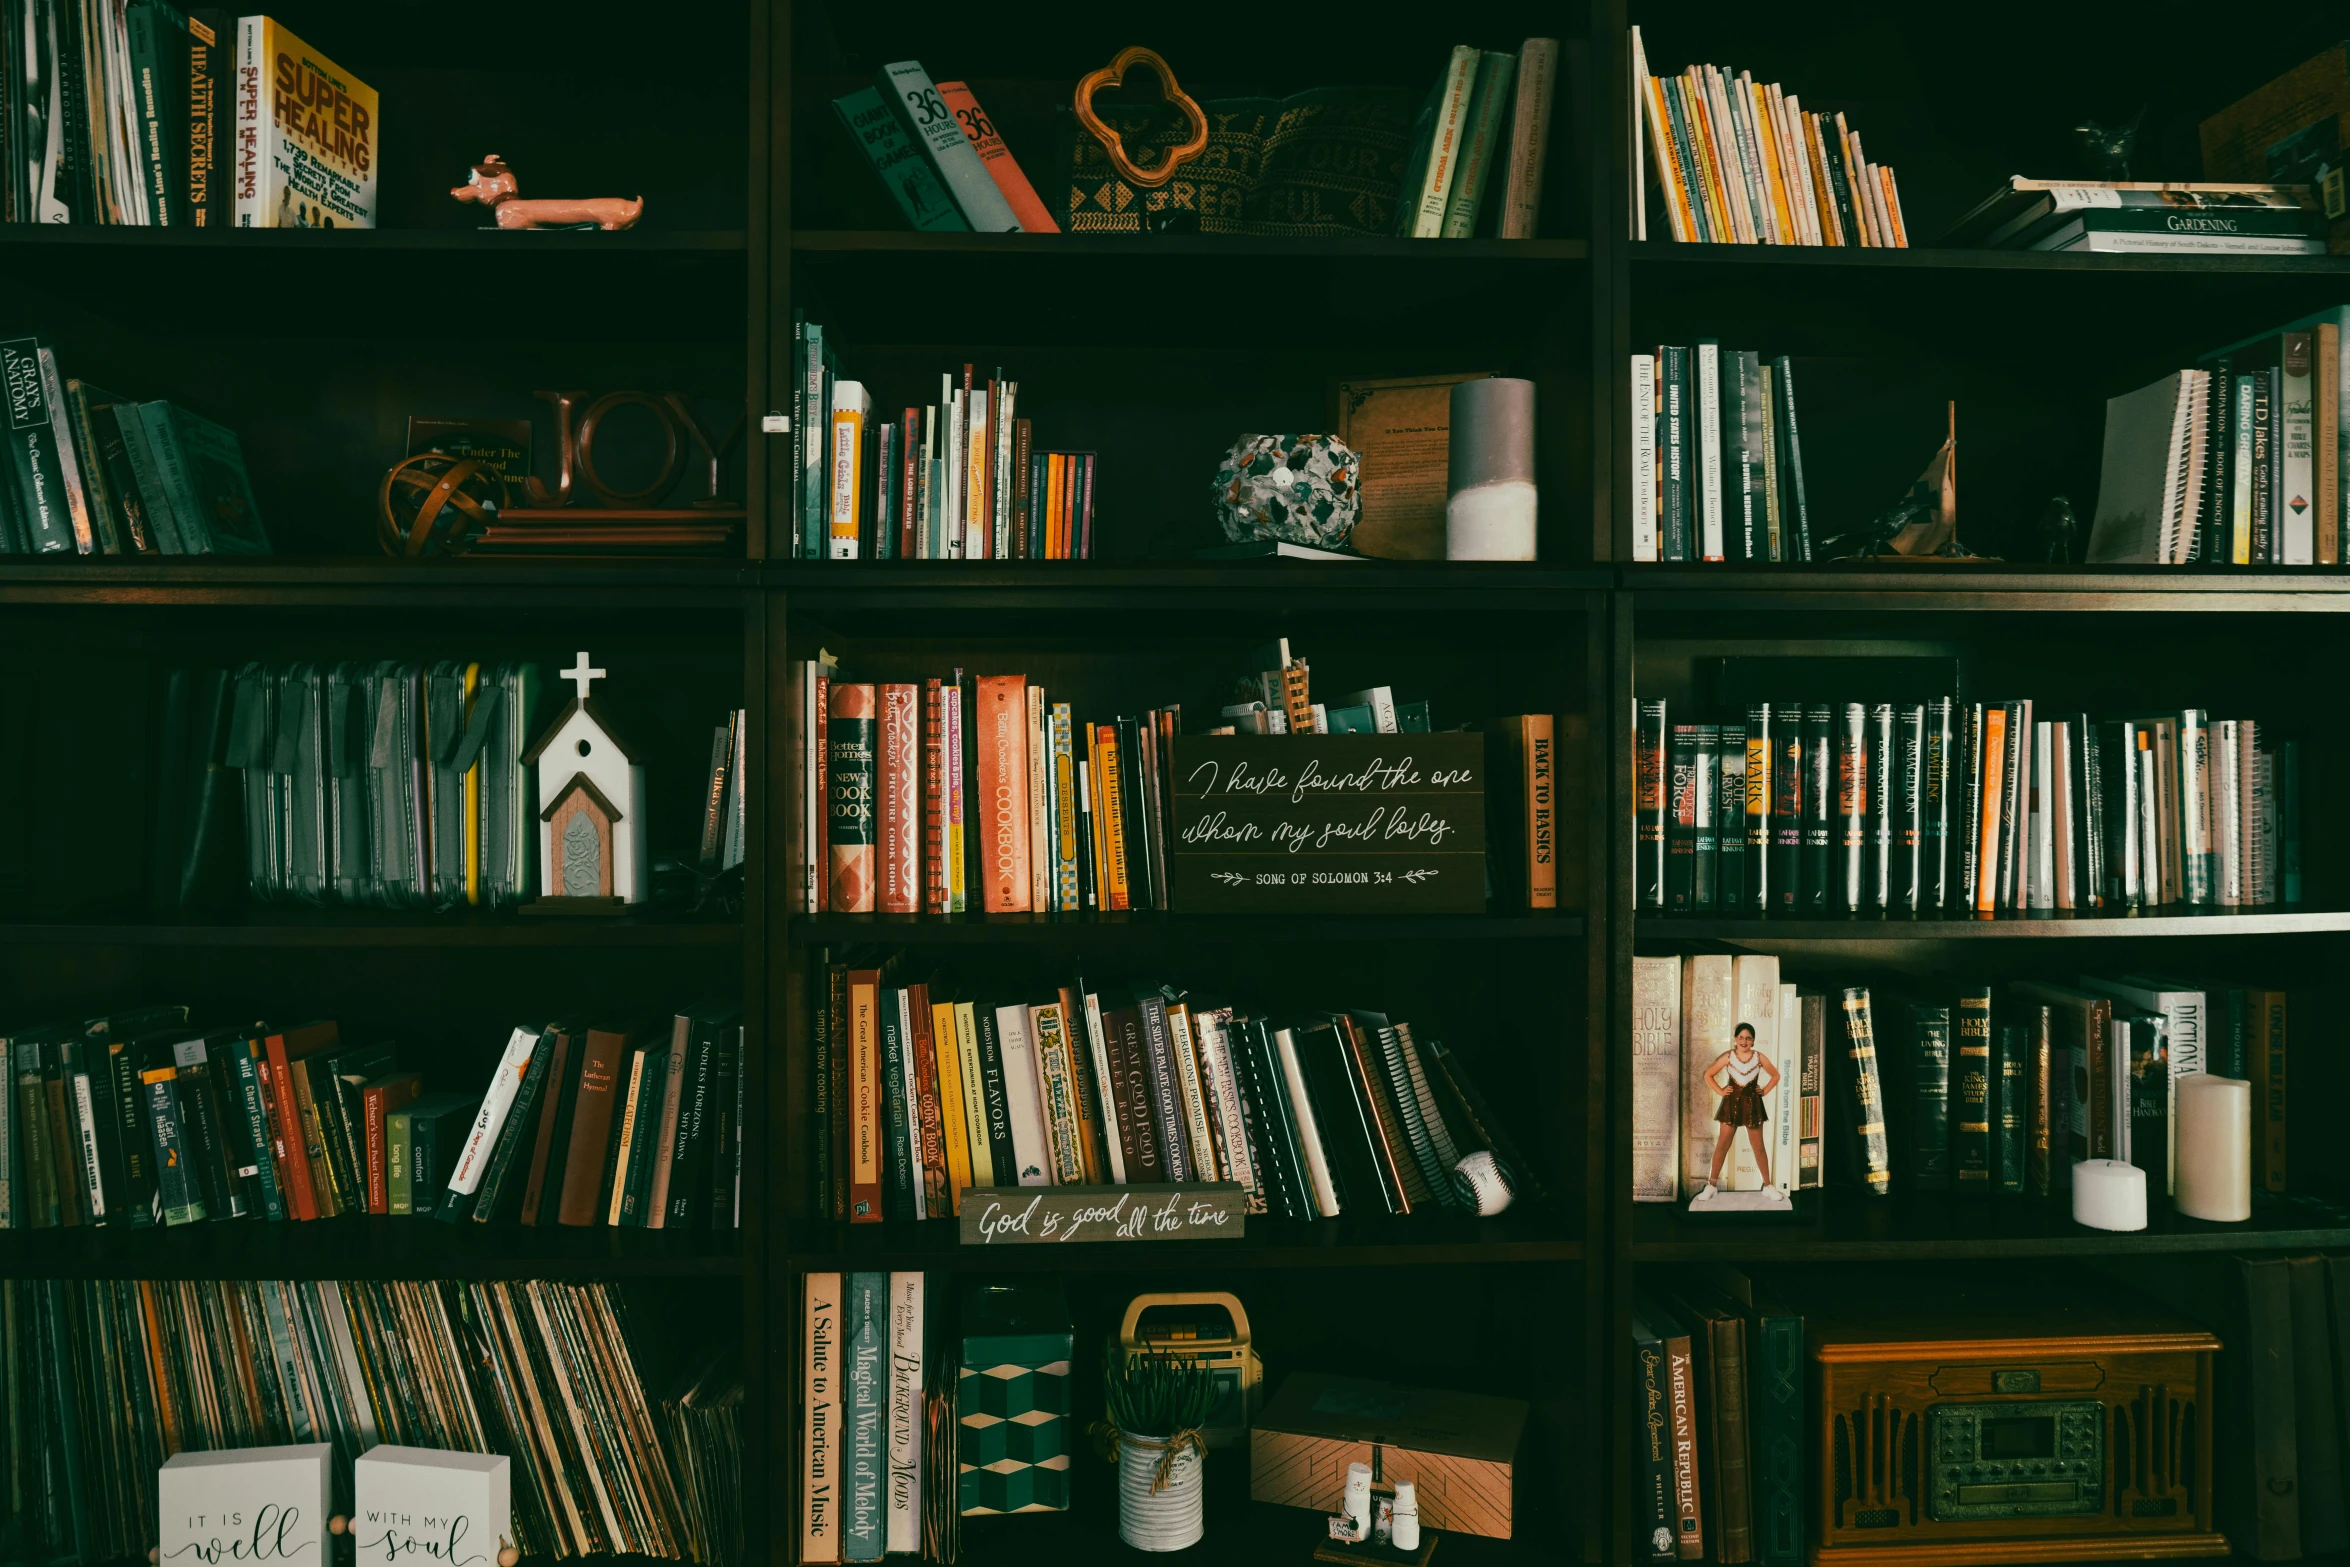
1012, 1399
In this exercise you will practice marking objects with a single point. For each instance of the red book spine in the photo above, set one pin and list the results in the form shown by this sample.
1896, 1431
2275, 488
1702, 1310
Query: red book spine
1085, 529
934, 822
901, 821
820, 745
1003, 792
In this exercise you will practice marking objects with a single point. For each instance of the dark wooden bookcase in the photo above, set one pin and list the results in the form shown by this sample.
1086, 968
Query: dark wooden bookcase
1156, 352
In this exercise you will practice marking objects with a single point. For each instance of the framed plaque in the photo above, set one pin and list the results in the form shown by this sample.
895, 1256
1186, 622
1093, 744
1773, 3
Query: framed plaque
1350, 824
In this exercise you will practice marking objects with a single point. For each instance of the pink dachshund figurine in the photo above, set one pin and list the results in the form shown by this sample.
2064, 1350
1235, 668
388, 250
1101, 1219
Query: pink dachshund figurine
493, 185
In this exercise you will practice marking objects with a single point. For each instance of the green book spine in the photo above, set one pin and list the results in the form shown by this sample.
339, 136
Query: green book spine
244, 1069
1778, 1431
1970, 1093
903, 170
175, 1181
2010, 1117
171, 472
33, 467
511, 1138
1489, 109
399, 1179
636, 1196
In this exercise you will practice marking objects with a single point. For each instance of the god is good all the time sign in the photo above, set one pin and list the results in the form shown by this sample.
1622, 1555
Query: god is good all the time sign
1354, 824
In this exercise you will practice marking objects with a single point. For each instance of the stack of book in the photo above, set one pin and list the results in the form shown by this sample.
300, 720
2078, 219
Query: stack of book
891, 776
2139, 217
701, 1424
89, 473
2242, 460
1717, 457
1313, 1114
880, 1439
1736, 161
937, 153
1945, 808
958, 479
1478, 148
141, 1120
1931, 1085
101, 1380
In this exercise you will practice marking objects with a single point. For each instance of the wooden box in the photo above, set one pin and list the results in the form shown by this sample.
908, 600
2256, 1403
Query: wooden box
1328, 824
1971, 1430
1459, 1450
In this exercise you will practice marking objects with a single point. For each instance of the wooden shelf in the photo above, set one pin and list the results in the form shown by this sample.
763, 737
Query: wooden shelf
1657, 256
273, 926
1147, 928
1120, 587
355, 581
2083, 924
1991, 586
1842, 1225
366, 1248
419, 284
1531, 1234
1188, 247
1240, 1532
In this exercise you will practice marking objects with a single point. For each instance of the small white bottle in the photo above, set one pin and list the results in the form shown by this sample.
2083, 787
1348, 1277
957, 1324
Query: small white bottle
1358, 1498
1407, 1517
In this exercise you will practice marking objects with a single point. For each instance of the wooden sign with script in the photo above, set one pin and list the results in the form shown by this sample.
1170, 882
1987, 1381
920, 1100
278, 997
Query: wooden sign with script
1346, 824
1053, 1215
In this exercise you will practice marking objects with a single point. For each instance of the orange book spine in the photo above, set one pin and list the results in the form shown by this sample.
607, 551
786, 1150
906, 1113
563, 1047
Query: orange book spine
1987, 832
901, 801
1003, 792
1110, 811
1001, 166
864, 1084
1538, 751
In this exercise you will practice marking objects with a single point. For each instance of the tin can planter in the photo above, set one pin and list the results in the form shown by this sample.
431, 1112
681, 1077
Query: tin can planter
1162, 1491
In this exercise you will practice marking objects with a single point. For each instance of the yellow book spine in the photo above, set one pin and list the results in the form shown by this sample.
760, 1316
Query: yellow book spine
1113, 814
1668, 167
1766, 133
975, 1101
472, 798
1701, 142
953, 1126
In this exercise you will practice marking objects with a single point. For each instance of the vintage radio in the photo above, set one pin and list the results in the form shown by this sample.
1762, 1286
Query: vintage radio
1979, 1428
1208, 1326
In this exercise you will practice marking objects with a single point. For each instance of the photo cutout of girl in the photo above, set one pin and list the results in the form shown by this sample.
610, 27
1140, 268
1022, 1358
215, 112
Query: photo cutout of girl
1743, 1079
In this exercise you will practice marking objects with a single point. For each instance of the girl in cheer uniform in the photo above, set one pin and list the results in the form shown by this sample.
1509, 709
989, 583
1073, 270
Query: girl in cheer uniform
1742, 1077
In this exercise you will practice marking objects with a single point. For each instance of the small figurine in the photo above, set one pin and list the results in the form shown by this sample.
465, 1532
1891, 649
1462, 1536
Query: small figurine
1923, 524
493, 185
2106, 150
2058, 531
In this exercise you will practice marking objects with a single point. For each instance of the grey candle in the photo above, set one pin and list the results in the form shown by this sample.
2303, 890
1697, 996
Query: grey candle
1491, 512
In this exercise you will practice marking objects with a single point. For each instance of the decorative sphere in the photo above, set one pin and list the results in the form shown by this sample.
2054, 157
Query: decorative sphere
1298, 489
434, 504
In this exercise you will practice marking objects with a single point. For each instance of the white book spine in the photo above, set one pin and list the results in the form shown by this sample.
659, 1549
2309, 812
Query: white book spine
1205, 1166
255, 109
1638, 98
2296, 436
1656, 1079
1709, 449
1644, 504
2149, 830
2227, 821
1444, 150
491, 1117
941, 136
1787, 1096
1023, 1099
1097, 1041
1707, 1001
85, 1115
1215, 1054
2248, 807
2043, 882
2195, 807
906, 1416
951, 520
1309, 1133
2192, 519
2067, 835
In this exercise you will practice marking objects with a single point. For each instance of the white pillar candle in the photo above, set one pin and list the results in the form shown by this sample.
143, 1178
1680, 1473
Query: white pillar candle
2109, 1195
2215, 1148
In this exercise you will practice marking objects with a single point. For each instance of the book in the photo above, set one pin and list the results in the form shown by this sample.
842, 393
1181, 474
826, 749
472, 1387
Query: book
998, 160
823, 1416
847, 499
1656, 1078
1973, 1105
899, 163
1653, 1514
1436, 159
38, 493
1003, 771
1529, 139
944, 141
901, 1416
850, 782
1863, 1096
865, 1335
1490, 105
308, 135
1718, 1349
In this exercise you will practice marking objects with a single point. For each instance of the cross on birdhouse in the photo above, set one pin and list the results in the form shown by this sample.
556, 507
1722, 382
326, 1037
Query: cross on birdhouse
582, 675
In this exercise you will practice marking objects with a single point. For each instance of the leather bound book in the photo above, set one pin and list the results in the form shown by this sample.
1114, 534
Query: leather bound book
1863, 1096
1972, 1111
901, 801
1003, 793
378, 1099
1718, 1343
1929, 1081
563, 1047
602, 1054
1783, 866
849, 791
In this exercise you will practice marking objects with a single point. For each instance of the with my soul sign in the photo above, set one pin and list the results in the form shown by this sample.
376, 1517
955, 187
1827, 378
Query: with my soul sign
1349, 824
1052, 1215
